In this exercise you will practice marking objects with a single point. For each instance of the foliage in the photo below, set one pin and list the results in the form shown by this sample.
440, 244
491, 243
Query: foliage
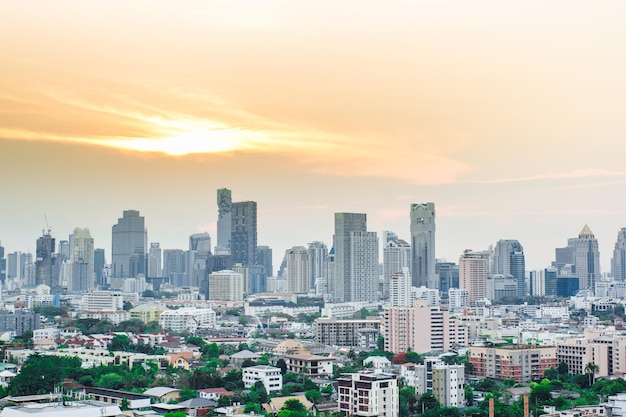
187, 394
40, 374
313, 395
51, 311
427, 402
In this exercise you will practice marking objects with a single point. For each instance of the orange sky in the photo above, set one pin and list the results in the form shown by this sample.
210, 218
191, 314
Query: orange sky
508, 115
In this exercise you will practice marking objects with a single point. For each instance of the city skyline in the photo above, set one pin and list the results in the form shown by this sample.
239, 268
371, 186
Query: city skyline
506, 115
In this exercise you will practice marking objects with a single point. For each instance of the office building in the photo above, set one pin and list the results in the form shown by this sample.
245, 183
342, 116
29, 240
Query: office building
618, 261
81, 247
173, 264
423, 245
396, 257
129, 245
99, 262
243, 241
3, 265
224, 219
154, 261
45, 272
509, 259
298, 270
264, 257
331, 277
226, 286
448, 273
473, 273
400, 288
584, 255
103, 301
356, 259
368, 394
318, 257
187, 319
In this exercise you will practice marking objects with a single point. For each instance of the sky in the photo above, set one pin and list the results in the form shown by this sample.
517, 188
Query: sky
507, 115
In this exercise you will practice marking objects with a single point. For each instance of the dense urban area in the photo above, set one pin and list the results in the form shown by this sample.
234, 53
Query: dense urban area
335, 330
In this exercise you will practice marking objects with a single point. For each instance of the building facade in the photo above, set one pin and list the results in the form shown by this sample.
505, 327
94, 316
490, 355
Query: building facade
396, 257
473, 273
368, 394
298, 270
129, 246
423, 245
523, 363
226, 286
243, 241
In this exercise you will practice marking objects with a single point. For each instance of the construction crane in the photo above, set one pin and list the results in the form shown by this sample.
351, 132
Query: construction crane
47, 225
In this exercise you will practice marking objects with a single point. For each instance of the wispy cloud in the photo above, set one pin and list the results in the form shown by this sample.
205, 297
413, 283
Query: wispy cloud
567, 175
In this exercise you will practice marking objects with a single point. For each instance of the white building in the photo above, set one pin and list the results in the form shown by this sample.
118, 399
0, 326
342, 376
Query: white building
226, 286
46, 333
115, 316
457, 299
298, 270
445, 382
103, 300
269, 375
400, 287
431, 295
187, 319
310, 365
396, 257
368, 394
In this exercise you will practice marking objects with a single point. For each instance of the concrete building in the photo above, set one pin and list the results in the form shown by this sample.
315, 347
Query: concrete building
396, 257
270, 376
509, 259
243, 240
618, 261
368, 394
423, 245
448, 273
224, 219
19, 322
422, 328
187, 319
155, 258
350, 332
45, 262
103, 301
523, 363
318, 258
400, 288
584, 255
473, 273
129, 245
445, 382
458, 299
309, 365
81, 249
501, 286
264, 258
147, 313
298, 270
226, 286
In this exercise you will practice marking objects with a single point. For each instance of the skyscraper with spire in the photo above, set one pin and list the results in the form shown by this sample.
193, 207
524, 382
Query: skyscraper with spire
618, 261
583, 253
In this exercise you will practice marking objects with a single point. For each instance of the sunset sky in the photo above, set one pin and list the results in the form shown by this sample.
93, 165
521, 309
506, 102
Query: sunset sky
508, 115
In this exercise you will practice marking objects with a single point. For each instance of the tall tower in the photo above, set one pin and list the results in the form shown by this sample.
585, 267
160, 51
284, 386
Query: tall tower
129, 245
298, 270
243, 241
45, 261
98, 266
224, 219
356, 258
3, 265
587, 259
318, 257
264, 257
618, 262
81, 253
423, 245
155, 258
508, 259
473, 273
396, 257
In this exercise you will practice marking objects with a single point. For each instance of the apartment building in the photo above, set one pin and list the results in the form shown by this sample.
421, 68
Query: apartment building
368, 394
357, 333
270, 377
523, 363
310, 365
187, 319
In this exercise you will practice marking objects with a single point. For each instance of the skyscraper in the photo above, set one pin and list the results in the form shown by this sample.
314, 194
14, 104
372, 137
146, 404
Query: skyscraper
318, 256
98, 266
173, 265
81, 253
581, 252
298, 270
356, 258
129, 246
45, 261
448, 273
224, 219
423, 245
200, 242
154, 260
3, 265
508, 259
473, 273
198, 258
396, 257
243, 241
264, 257
618, 261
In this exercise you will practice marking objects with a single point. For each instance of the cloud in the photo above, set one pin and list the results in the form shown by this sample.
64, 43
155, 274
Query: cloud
567, 175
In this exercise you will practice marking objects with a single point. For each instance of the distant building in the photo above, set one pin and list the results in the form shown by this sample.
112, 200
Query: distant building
396, 257
523, 363
187, 319
509, 259
309, 365
349, 332
318, 259
19, 322
368, 394
129, 245
264, 257
298, 270
584, 255
618, 261
226, 286
270, 376
45, 262
445, 382
448, 273
154, 261
98, 267
473, 273
423, 245
243, 241
224, 218
400, 288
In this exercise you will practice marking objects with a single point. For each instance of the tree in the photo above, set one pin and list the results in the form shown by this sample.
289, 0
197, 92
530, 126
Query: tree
111, 381
380, 343
253, 407
313, 395
563, 369
294, 405
282, 365
40, 374
399, 358
247, 363
427, 402
120, 342
187, 394
591, 369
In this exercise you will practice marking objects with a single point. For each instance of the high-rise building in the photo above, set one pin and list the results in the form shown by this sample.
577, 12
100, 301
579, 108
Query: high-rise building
224, 218
508, 259
3, 265
318, 257
473, 273
226, 286
200, 242
45, 261
298, 270
264, 257
584, 257
198, 258
331, 277
368, 394
173, 264
356, 258
81, 256
243, 241
129, 246
98, 266
448, 273
396, 257
400, 288
423, 245
618, 261
154, 260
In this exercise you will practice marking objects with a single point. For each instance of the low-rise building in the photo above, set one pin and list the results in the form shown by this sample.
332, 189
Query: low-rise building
348, 332
368, 394
270, 376
309, 365
187, 319
523, 363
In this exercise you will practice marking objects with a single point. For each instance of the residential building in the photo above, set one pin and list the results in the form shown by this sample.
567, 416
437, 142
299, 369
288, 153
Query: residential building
523, 363
400, 288
356, 259
368, 394
349, 332
423, 245
318, 258
19, 322
458, 299
473, 273
309, 365
445, 382
103, 301
396, 257
270, 376
129, 245
298, 270
226, 286
187, 319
